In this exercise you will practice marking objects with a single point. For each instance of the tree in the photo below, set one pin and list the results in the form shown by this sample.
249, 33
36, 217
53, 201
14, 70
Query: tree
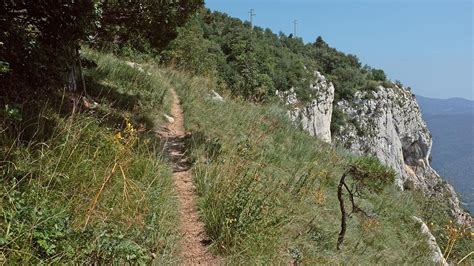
191, 51
378, 75
368, 175
320, 43
40, 40
152, 21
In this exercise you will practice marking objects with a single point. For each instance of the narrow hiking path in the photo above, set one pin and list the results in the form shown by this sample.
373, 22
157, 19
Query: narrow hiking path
194, 239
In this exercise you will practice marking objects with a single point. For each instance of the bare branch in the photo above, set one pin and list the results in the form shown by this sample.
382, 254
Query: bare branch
340, 239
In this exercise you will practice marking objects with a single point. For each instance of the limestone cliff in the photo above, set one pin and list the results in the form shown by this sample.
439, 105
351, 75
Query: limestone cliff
315, 116
386, 123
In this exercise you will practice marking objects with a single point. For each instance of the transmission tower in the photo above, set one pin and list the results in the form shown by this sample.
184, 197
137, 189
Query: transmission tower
252, 14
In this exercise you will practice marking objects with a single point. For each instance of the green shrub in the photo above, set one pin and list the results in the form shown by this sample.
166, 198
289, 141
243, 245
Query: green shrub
372, 85
371, 174
338, 119
378, 75
4, 67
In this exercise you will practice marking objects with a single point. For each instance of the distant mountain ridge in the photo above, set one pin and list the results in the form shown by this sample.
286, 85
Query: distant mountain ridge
451, 122
432, 106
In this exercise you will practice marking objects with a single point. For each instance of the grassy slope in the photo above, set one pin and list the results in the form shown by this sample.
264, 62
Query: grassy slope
268, 191
84, 193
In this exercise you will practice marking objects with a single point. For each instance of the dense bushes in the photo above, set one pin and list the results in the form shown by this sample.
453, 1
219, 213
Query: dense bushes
254, 63
143, 25
39, 41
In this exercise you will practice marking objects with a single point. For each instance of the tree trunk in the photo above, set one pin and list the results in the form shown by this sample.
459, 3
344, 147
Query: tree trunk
340, 239
81, 74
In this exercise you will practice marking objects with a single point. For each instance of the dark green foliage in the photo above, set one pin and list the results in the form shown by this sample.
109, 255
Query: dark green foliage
4, 67
191, 51
370, 174
255, 63
39, 40
338, 119
251, 63
144, 25
399, 83
378, 75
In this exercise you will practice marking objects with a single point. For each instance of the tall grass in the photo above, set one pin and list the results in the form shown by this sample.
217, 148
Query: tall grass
126, 88
96, 189
268, 191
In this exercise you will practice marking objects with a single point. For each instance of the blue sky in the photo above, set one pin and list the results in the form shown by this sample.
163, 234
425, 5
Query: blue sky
427, 44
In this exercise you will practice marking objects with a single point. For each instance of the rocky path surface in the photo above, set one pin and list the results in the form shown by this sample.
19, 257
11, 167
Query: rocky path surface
194, 239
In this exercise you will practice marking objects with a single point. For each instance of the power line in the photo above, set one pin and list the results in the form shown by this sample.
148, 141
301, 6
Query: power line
251, 17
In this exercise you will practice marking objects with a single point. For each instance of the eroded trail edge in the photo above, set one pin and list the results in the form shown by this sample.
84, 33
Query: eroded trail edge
194, 239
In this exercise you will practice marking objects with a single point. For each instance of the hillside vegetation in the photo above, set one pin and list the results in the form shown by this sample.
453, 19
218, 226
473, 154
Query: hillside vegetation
90, 188
97, 187
268, 192
85, 179
253, 62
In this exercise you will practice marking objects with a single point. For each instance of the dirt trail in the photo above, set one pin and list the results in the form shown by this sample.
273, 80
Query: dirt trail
194, 238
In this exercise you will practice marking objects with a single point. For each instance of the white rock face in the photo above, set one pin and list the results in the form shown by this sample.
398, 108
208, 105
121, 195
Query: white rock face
314, 117
387, 123
436, 254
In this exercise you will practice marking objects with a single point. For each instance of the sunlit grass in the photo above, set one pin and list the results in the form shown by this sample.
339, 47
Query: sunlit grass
268, 191
96, 188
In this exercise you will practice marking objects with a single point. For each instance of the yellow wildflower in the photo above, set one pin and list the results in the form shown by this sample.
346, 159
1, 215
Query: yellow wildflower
118, 136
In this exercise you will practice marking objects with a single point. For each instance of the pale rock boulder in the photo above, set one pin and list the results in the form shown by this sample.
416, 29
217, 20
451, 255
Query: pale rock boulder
217, 97
436, 254
315, 116
168, 118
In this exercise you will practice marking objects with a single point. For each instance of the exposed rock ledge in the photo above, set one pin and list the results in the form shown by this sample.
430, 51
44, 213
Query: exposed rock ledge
436, 254
314, 117
388, 124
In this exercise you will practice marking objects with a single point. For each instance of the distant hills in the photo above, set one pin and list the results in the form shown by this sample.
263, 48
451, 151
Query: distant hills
451, 122
452, 106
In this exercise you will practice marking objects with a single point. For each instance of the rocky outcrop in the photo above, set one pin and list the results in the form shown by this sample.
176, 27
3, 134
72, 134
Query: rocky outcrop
315, 116
387, 123
436, 254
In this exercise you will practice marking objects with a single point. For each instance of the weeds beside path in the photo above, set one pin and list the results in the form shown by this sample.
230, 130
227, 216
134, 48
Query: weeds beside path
193, 249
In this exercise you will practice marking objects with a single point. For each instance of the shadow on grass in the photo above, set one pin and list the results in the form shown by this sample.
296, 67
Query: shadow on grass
36, 109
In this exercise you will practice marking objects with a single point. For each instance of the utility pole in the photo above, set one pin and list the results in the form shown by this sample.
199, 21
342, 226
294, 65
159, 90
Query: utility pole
251, 17
295, 22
